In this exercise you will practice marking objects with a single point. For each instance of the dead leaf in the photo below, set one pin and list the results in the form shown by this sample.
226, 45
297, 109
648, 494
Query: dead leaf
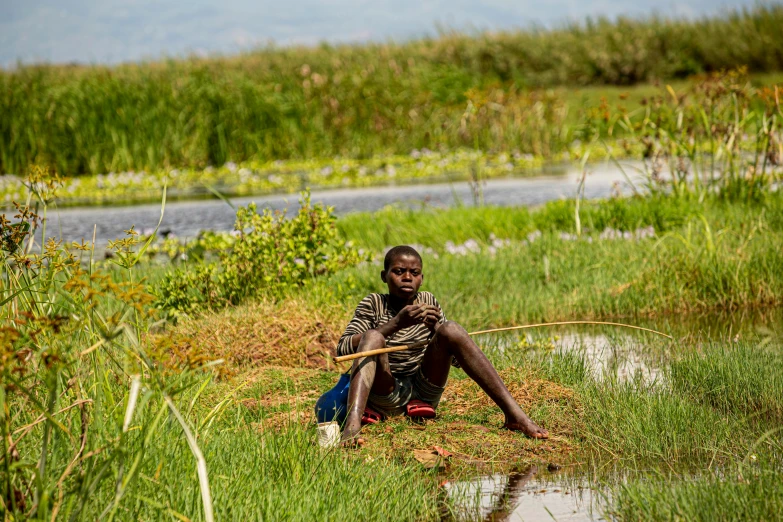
429, 458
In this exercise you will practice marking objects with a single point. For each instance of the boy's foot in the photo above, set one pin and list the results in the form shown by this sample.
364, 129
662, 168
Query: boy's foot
353, 442
528, 427
350, 437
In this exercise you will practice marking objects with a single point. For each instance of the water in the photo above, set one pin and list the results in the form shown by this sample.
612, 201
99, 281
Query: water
186, 219
531, 494
625, 355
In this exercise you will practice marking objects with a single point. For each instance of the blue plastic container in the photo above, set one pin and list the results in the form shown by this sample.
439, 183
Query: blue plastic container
333, 405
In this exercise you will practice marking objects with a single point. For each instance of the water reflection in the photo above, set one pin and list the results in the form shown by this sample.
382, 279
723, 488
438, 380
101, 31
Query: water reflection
528, 494
627, 355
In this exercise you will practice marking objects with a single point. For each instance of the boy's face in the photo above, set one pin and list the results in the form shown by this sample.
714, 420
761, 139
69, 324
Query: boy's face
404, 276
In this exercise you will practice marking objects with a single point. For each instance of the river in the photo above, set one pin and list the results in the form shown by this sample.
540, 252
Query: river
186, 218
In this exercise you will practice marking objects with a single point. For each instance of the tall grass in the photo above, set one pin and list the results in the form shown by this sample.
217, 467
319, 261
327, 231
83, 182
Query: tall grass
701, 265
431, 227
734, 378
263, 472
452, 91
75, 369
747, 494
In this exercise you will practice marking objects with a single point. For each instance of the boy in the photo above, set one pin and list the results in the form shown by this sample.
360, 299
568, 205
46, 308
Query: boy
413, 380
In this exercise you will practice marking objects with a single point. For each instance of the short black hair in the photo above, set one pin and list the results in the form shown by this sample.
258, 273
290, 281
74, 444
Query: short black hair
400, 250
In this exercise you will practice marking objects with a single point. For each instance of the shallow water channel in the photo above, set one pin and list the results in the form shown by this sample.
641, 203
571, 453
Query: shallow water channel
542, 493
530, 494
186, 218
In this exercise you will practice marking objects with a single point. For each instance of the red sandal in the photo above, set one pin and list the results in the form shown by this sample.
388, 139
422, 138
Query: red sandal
421, 409
371, 416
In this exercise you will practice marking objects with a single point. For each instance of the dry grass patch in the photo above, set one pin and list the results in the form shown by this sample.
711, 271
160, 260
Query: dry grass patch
289, 333
468, 424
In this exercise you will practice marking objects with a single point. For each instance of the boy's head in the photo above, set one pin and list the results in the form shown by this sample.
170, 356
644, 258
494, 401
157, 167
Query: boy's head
402, 271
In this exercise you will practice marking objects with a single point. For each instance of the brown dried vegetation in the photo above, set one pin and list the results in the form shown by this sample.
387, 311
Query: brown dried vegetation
290, 333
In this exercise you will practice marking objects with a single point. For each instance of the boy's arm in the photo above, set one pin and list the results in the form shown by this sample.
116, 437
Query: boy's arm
364, 318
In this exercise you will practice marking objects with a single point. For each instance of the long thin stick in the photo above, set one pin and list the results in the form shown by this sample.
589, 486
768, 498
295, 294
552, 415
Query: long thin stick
421, 344
508, 328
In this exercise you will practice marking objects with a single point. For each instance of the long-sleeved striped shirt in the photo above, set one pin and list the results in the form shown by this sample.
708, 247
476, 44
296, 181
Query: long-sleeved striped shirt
376, 310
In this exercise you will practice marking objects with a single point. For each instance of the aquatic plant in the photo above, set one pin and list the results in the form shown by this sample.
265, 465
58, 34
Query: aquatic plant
76, 369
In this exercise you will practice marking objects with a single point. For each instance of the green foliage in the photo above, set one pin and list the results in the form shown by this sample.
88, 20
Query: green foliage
189, 289
639, 423
263, 472
76, 363
431, 227
724, 256
271, 255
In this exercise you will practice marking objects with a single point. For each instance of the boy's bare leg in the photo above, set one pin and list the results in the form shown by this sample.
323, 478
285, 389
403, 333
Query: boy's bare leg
368, 373
452, 340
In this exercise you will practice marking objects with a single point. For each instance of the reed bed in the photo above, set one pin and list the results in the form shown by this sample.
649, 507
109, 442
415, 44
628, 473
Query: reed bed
357, 101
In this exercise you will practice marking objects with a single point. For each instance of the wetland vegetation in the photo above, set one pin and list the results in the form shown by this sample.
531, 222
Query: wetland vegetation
134, 390
447, 108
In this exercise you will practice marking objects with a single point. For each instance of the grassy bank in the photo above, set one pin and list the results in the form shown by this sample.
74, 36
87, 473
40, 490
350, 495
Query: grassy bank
357, 101
753, 494
507, 266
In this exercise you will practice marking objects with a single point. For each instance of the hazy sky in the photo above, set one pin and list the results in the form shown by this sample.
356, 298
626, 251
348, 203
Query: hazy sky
123, 30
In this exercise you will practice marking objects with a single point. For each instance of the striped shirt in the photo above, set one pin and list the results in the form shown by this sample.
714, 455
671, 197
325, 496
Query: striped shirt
376, 310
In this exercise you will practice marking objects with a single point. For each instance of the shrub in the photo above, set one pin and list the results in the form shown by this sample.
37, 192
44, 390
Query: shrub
271, 255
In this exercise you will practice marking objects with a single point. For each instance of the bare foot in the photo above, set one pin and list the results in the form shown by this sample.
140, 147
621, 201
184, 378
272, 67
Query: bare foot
350, 437
527, 426
355, 442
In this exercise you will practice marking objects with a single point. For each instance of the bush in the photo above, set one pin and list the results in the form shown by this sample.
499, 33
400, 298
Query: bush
271, 255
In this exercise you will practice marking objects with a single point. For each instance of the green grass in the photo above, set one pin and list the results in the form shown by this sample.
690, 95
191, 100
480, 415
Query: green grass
357, 101
734, 378
264, 474
689, 269
637, 424
642, 424
745, 494
431, 227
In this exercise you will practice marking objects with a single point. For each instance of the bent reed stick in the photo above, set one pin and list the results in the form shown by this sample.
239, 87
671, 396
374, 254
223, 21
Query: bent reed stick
421, 344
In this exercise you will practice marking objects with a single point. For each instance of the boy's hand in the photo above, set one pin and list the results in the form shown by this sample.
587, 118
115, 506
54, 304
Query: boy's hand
433, 317
417, 314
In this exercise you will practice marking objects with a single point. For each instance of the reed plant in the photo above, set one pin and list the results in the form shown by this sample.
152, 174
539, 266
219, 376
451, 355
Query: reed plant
76, 367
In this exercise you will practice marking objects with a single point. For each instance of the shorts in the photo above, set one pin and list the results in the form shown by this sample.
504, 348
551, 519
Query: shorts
406, 388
